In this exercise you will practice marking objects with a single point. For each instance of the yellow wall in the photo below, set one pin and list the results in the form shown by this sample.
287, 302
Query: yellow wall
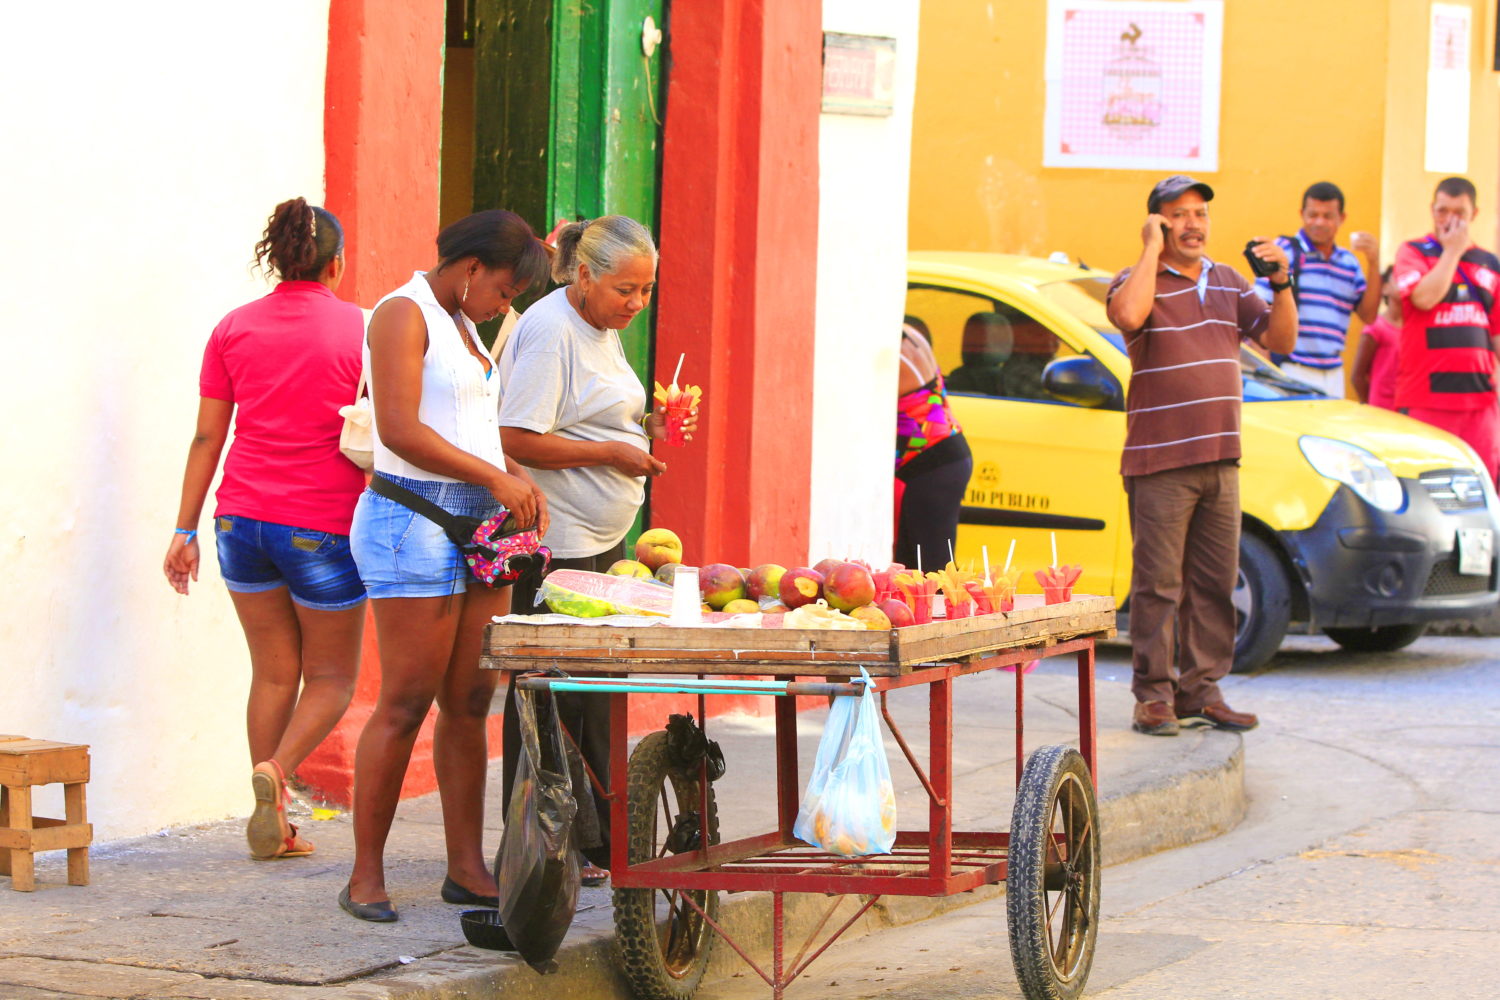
1333, 90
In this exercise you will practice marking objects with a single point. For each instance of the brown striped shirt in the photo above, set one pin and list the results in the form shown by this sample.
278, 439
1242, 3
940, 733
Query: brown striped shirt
1183, 405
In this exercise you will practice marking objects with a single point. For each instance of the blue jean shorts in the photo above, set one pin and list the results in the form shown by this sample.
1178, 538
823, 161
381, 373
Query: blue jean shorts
315, 566
400, 553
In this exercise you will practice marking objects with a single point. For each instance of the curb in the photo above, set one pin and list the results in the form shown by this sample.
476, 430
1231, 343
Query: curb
1202, 802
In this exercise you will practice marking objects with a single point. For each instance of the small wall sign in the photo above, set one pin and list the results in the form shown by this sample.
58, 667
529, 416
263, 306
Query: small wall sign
859, 74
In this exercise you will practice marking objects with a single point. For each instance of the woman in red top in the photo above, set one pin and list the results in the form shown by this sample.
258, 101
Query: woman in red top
282, 366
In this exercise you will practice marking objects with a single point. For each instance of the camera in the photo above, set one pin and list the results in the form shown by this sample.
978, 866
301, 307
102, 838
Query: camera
1262, 268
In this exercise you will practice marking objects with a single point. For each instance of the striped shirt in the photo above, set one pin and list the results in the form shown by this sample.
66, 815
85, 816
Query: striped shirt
1183, 404
1328, 291
1446, 359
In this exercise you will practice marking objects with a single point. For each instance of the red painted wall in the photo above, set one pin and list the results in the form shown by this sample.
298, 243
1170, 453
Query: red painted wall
382, 131
739, 230
738, 241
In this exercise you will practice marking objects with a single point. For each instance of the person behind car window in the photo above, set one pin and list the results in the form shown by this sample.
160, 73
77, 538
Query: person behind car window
933, 461
1379, 353
986, 345
1021, 374
1183, 317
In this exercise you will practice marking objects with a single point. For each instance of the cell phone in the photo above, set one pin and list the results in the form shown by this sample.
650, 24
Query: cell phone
1262, 268
1164, 231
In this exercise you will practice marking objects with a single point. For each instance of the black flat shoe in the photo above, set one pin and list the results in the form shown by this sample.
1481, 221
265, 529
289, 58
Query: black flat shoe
458, 895
377, 913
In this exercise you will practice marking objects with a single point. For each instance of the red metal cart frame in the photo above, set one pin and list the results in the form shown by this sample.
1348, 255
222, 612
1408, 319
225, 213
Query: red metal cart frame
937, 861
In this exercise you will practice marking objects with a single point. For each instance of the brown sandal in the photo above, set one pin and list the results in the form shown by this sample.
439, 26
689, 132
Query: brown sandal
269, 834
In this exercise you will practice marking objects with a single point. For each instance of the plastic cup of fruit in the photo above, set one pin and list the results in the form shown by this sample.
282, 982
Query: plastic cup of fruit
677, 414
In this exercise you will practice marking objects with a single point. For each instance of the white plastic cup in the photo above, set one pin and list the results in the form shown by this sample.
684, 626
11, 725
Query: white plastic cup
687, 603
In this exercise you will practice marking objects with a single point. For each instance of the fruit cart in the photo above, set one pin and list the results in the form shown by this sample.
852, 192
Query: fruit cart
668, 863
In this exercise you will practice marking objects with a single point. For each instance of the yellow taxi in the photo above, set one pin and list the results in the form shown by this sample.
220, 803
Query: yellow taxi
1358, 522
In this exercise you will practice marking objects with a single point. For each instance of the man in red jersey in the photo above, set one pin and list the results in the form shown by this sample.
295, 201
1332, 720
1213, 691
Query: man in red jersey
1450, 309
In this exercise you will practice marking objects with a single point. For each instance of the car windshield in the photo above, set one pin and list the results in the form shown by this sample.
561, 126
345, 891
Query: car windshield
1084, 298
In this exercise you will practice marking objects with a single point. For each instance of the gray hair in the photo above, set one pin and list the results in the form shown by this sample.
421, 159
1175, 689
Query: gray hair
604, 244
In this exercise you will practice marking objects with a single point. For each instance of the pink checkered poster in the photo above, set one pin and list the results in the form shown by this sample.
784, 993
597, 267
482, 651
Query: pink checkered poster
1133, 84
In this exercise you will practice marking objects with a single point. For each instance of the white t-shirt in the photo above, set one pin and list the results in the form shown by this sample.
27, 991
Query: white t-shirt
458, 400
558, 375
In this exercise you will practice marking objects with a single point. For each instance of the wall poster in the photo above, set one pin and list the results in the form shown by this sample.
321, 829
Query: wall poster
1133, 84
1448, 47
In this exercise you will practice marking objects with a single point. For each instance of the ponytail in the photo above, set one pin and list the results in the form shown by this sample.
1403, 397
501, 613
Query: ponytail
299, 241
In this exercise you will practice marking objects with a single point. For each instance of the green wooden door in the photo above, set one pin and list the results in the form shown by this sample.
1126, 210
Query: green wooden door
567, 117
567, 120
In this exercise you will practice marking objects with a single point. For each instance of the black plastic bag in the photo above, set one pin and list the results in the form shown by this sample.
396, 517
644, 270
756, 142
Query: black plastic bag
537, 867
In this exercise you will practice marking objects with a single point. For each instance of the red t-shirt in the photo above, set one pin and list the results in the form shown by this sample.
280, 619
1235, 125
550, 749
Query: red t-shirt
288, 361
1446, 359
1385, 363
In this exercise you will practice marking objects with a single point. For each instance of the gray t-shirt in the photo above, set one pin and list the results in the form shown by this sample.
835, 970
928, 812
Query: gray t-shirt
558, 375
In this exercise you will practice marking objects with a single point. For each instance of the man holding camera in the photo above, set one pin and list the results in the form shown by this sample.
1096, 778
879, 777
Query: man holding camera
1331, 287
1183, 317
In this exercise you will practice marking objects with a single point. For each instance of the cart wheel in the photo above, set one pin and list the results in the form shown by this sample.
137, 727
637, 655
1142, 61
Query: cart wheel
1052, 885
664, 943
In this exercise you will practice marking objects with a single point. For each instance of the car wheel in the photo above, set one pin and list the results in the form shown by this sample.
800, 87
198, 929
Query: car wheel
1262, 605
1379, 639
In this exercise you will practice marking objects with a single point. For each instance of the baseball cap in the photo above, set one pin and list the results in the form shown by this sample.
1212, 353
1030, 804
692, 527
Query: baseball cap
1173, 187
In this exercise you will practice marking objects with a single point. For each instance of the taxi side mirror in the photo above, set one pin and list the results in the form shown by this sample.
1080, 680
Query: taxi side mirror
1083, 381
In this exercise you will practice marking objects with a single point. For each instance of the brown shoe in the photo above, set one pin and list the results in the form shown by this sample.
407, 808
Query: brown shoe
1219, 716
1154, 718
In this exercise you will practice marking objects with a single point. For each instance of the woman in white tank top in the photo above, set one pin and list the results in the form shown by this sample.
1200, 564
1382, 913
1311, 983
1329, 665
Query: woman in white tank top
436, 401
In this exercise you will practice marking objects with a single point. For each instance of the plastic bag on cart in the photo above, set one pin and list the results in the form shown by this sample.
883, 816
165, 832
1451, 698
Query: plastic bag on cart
849, 808
536, 866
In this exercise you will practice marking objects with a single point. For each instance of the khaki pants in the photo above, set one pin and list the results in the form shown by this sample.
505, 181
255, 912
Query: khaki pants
1186, 527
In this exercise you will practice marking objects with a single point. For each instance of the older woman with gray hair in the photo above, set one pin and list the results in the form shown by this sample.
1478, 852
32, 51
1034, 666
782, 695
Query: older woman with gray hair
575, 413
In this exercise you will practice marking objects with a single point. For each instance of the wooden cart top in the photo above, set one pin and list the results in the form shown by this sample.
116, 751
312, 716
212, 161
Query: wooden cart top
665, 649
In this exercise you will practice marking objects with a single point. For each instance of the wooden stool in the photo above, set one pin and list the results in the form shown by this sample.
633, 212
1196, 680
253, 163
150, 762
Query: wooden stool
25, 763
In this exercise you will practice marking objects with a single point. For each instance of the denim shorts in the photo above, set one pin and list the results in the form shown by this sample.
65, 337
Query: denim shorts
315, 566
400, 553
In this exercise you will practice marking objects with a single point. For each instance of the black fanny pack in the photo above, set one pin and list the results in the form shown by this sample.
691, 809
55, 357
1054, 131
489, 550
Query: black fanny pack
497, 550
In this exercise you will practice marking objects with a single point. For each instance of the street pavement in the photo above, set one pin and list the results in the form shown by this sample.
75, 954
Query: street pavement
185, 914
1367, 868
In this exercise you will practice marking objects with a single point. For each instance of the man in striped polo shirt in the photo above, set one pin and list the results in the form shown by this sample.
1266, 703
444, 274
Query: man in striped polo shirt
1330, 287
1183, 317
1450, 309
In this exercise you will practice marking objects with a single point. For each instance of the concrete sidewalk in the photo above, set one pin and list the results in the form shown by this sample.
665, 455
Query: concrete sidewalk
186, 914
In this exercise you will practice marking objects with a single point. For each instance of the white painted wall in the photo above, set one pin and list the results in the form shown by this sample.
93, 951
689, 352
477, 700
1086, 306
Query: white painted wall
864, 170
144, 148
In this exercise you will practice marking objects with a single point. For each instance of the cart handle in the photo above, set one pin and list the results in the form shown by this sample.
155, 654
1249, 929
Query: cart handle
779, 689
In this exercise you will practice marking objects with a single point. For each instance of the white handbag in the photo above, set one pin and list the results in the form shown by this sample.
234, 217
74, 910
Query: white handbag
357, 438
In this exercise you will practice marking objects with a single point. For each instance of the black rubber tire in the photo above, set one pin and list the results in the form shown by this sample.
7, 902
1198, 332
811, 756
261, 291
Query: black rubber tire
662, 959
1052, 906
1263, 605
1378, 639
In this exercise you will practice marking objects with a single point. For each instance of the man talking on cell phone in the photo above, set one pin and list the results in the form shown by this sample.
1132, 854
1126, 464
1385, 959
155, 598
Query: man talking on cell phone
1183, 317
1450, 313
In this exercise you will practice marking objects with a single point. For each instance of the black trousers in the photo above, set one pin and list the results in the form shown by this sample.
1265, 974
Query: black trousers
929, 511
584, 716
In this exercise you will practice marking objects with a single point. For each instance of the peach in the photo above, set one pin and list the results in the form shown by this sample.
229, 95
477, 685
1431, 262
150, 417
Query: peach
872, 616
849, 586
720, 583
825, 566
629, 567
897, 612
658, 547
763, 580
800, 586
